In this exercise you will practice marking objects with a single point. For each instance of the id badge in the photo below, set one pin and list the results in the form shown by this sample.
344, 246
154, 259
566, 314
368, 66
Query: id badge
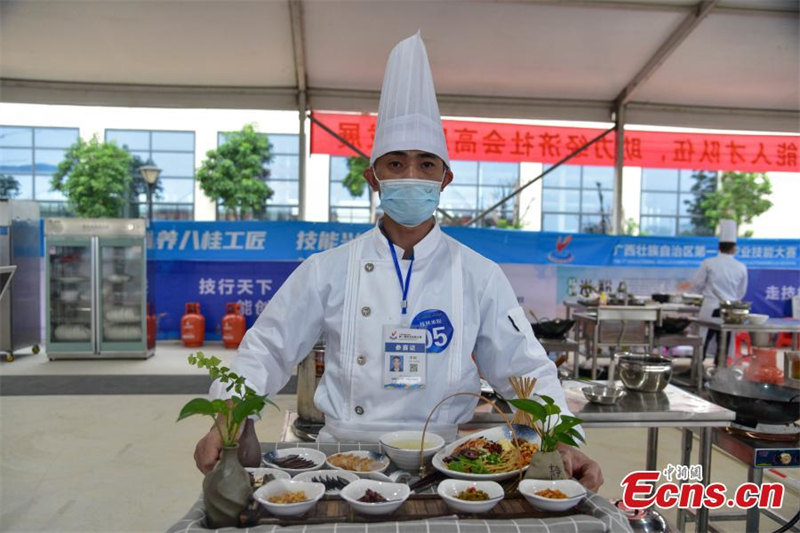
403, 358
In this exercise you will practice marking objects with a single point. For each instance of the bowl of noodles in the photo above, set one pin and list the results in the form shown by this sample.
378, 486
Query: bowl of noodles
489, 455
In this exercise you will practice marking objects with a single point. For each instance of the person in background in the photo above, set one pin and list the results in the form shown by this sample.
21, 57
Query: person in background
404, 285
720, 278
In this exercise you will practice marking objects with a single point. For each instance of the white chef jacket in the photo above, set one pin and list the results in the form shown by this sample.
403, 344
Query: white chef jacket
349, 293
722, 275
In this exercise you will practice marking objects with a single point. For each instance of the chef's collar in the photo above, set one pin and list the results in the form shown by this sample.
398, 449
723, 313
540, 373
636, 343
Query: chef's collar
422, 249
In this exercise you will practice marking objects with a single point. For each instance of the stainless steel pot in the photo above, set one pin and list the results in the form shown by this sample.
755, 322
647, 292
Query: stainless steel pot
734, 312
643, 373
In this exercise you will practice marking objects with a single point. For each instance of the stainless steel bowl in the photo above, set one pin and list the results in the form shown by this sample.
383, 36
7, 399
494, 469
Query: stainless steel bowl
733, 315
603, 394
644, 373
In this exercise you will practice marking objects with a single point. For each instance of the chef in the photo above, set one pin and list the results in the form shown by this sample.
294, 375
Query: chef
721, 277
403, 290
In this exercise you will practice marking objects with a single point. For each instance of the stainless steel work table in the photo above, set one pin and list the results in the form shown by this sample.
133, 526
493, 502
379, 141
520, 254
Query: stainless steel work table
772, 325
605, 320
671, 408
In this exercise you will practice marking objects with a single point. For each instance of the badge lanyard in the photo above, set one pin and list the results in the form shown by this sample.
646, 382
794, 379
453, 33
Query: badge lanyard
403, 285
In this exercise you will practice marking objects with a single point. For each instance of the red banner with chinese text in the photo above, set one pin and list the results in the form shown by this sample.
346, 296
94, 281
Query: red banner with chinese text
490, 141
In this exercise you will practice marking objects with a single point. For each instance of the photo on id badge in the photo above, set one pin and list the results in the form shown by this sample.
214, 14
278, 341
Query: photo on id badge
403, 358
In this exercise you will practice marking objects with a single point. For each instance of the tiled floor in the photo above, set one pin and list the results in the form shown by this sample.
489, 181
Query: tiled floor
122, 463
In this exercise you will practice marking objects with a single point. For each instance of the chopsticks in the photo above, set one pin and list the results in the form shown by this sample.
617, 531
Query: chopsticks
523, 388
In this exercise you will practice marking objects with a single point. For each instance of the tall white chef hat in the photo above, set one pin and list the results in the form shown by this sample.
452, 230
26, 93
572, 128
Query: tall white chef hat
408, 114
727, 230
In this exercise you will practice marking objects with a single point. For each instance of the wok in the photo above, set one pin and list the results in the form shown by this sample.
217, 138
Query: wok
660, 298
672, 325
552, 329
756, 402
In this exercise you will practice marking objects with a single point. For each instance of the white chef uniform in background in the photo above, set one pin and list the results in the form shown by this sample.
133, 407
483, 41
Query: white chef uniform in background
349, 293
721, 276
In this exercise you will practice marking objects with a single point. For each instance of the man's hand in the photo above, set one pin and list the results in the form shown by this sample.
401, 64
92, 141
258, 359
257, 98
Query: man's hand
206, 453
579, 466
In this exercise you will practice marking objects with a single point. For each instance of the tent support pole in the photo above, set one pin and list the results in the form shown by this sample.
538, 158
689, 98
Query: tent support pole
619, 162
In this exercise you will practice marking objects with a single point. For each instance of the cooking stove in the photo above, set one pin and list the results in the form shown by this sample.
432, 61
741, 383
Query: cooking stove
766, 432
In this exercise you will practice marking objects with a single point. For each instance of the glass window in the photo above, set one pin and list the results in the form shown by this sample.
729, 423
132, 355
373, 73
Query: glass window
47, 160
174, 165
131, 140
571, 198
173, 140
458, 197
284, 143
464, 172
284, 167
660, 179
55, 137
24, 184
499, 174
668, 192
340, 195
564, 176
31, 155
560, 222
16, 136
659, 203
592, 175
173, 153
590, 200
283, 193
45, 192
176, 190
16, 160
357, 215
657, 225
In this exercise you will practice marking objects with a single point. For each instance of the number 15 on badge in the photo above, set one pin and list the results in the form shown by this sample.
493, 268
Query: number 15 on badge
403, 358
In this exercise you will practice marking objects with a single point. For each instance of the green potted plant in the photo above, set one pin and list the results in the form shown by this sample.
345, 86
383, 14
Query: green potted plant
226, 489
553, 428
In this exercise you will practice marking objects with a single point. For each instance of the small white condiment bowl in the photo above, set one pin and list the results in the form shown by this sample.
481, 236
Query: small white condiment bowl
314, 491
274, 472
396, 493
449, 489
575, 493
406, 458
322, 474
379, 461
306, 453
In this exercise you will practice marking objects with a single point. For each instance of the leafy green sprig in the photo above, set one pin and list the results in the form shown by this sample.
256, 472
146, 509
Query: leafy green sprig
549, 423
228, 414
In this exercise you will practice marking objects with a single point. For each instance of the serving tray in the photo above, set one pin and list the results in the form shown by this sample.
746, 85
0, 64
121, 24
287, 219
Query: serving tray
331, 509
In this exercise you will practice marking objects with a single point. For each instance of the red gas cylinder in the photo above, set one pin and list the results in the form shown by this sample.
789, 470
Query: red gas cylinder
233, 326
193, 326
151, 327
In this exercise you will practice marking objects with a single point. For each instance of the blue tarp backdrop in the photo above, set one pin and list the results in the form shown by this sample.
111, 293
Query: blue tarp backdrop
218, 262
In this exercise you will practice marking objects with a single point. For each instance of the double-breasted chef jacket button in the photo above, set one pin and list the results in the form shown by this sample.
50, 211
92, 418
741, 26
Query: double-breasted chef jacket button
361, 360
366, 311
359, 410
369, 267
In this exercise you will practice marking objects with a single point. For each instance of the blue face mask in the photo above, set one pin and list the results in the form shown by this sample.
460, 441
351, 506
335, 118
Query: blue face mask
410, 201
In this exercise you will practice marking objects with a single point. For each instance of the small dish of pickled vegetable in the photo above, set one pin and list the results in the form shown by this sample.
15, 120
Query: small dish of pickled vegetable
471, 497
558, 495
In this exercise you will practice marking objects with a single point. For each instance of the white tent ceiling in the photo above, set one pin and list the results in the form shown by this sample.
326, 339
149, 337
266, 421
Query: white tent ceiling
569, 59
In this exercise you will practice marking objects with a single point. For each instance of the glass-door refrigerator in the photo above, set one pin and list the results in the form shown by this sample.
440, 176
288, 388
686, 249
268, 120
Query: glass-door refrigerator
96, 288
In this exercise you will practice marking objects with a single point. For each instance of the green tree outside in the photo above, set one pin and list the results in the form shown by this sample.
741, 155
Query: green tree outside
741, 196
354, 182
9, 187
234, 175
95, 178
